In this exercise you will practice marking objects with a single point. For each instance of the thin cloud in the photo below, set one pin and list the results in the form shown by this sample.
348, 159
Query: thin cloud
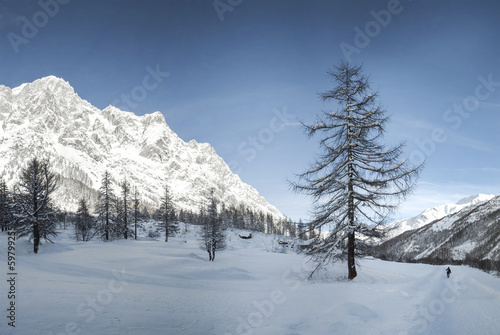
490, 169
490, 105
455, 138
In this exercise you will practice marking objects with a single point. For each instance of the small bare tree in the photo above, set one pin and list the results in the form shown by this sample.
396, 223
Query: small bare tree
136, 212
167, 214
34, 212
213, 231
84, 224
124, 209
105, 213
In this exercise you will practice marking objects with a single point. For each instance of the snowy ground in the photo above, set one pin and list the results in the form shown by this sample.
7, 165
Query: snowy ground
153, 287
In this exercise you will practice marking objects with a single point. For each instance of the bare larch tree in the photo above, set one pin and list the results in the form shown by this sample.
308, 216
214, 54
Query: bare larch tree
356, 182
105, 213
167, 214
35, 214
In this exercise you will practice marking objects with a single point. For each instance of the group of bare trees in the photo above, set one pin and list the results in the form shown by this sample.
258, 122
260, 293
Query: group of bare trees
115, 215
29, 209
243, 217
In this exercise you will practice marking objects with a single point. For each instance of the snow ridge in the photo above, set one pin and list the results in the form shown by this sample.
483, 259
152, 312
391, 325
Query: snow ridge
48, 119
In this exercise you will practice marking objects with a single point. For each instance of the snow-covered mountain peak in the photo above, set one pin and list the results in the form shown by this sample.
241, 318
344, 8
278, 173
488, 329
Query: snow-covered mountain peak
16, 90
474, 199
51, 81
156, 117
434, 213
46, 118
50, 84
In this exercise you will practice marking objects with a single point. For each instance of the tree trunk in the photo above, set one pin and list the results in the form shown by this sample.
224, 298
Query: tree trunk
36, 238
351, 263
107, 226
351, 242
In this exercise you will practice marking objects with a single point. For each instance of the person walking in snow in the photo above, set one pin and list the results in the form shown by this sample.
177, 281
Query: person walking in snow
448, 272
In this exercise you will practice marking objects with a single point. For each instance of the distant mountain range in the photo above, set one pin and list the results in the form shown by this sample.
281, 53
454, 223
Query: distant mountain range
432, 214
47, 119
466, 232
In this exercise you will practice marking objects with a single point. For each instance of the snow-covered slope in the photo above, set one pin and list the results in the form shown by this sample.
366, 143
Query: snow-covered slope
48, 119
471, 234
134, 287
431, 214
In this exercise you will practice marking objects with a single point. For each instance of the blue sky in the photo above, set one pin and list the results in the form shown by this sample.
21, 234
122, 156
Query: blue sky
240, 76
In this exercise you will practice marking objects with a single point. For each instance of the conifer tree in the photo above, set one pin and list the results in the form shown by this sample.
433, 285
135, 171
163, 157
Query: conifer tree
124, 208
301, 228
356, 182
167, 215
136, 214
239, 217
105, 212
35, 214
225, 216
84, 224
269, 223
6, 206
213, 230
292, 230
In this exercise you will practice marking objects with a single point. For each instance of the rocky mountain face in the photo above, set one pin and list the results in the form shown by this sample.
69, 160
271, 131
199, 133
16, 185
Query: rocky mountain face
470, 235
47, 119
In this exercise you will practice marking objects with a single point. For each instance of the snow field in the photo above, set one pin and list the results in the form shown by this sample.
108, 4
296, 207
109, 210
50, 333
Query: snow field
151, 287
